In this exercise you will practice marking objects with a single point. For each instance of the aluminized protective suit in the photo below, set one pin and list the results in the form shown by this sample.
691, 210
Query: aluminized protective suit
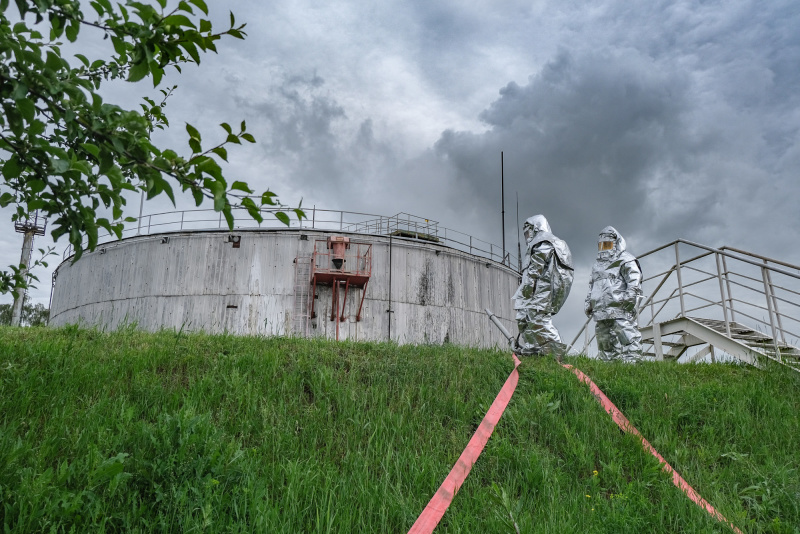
547, 276
615, 291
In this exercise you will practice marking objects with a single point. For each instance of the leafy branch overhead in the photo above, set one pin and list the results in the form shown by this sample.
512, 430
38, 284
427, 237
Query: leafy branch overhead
69, 154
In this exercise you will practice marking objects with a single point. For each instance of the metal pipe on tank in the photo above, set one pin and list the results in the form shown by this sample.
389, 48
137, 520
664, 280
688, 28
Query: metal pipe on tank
389, 311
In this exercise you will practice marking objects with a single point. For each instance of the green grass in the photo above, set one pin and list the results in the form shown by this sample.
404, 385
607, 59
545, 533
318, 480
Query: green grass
169, 432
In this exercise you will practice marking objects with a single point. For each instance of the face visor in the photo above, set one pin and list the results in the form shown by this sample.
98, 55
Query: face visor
605, 246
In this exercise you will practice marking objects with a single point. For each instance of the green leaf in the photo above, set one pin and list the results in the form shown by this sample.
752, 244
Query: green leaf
267, 198
252, 209
83, 59
58, 231
20, 91
60, 166
241, 186
82, 166
72, 31
221, 152
120, 47
106, 5
178, 20
168, 191
36, 204
138, 71
36, 128
192, 131
94, 150
219, 203
282, 217
205, 26
36, 186
54, 61
198, 196
200, 4
114, 174
248, 137
211, 167
227, 127
27, 109
98, 8
157, 72
191, 49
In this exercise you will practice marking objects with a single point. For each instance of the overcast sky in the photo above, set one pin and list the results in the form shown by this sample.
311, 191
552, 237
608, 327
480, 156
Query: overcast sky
666, 119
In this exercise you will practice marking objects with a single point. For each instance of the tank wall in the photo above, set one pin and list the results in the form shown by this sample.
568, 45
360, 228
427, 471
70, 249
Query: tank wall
199, 281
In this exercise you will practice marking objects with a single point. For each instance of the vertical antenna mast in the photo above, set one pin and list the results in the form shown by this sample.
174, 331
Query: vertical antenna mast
503, 203
519, 246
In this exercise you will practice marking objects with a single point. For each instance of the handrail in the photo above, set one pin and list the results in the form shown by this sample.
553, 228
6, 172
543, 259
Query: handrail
317, 219
766, 258
733, 256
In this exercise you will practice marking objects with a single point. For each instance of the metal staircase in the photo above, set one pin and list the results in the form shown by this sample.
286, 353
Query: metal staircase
717, 302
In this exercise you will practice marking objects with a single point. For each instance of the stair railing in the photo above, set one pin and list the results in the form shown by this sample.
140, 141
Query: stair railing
767, 291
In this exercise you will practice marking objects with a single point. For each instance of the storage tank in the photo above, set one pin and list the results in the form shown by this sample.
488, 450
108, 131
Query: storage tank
376, 282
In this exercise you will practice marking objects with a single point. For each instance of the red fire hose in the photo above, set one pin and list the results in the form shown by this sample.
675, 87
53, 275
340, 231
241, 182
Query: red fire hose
441, 500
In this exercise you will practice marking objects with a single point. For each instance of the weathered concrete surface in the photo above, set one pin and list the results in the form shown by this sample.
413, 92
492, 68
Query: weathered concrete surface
199, 281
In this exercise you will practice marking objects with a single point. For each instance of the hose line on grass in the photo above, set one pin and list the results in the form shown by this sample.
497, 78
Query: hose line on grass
437, 506
441, 500
627, 427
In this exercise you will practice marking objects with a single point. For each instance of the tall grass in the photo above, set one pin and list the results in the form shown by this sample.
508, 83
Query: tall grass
170, 432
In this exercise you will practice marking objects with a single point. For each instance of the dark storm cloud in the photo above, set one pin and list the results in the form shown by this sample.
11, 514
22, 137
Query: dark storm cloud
320, 149
297, 118
580, 140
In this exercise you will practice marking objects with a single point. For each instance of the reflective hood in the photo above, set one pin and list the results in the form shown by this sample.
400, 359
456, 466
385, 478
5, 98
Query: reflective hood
534, 225
610, 234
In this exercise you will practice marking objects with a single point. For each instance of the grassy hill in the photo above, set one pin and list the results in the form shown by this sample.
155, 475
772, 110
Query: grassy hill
169, 432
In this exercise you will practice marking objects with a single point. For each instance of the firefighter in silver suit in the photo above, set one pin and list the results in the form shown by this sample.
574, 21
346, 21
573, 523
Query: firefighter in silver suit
547, 276
615, 291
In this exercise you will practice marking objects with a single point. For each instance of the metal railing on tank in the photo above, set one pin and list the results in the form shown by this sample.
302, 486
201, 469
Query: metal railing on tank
399, 225
724, 286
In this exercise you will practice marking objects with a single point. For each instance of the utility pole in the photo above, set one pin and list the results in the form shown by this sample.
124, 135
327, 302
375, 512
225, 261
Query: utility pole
29, 228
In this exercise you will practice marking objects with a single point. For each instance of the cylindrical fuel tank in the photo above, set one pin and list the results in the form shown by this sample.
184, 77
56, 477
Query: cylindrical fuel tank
257, 282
